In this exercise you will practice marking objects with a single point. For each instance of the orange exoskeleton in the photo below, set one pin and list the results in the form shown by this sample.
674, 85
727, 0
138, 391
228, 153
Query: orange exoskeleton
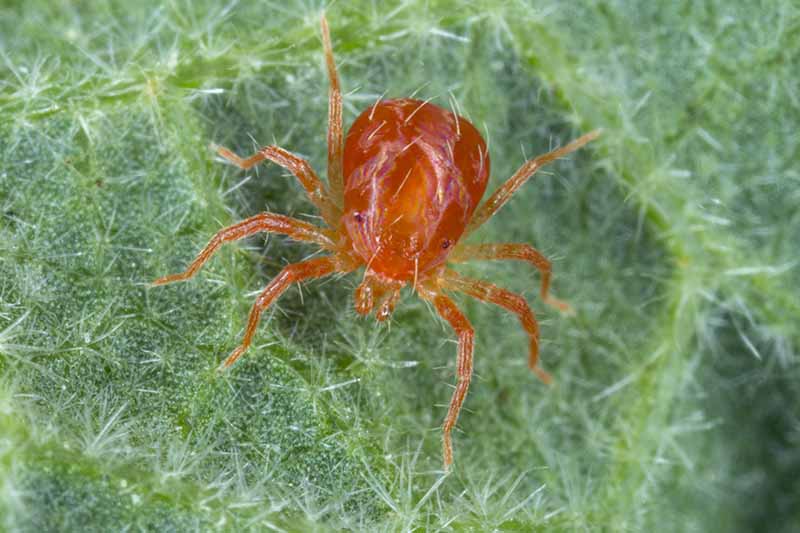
404, 188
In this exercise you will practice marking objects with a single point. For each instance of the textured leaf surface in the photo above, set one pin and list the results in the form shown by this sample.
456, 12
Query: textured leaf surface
674, 237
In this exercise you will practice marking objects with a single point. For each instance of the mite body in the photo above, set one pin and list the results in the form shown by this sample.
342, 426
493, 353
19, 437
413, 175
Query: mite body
403, 189
414, 174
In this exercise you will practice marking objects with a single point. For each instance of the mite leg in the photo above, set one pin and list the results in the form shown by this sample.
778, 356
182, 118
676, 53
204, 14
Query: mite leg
528, 169
313, 268
514, 303
335, 131
270, 222
519, 252
315, 189
447, 310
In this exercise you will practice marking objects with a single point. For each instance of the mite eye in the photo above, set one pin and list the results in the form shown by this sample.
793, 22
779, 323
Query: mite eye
446, 244
359, 217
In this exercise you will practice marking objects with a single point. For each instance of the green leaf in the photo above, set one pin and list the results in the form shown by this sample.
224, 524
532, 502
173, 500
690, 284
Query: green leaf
674, 237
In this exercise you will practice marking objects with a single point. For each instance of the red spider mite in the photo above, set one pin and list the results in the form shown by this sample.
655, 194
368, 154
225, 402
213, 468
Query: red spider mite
403, 190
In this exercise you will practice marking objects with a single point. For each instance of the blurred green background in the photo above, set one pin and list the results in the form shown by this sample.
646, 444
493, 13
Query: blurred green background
675, 238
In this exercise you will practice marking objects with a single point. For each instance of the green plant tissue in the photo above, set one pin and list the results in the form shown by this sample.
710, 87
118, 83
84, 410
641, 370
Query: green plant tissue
674, 236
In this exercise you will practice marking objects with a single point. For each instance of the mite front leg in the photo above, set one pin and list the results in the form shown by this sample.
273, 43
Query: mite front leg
270, 222
316, 190
519, 252
447, 310
488, 292
313, 268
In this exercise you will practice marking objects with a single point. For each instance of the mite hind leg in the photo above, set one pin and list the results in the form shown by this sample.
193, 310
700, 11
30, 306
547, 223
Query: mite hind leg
315, 188
504, 193
335, 128
329, 200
